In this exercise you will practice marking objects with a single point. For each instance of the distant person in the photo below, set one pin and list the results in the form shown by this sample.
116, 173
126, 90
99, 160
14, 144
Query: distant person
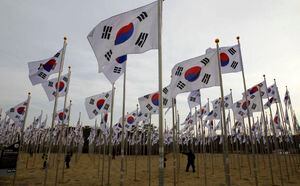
190, 160
44, 157
68, 159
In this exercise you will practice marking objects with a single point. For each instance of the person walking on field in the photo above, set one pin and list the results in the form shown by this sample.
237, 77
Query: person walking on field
190, 160
67, 160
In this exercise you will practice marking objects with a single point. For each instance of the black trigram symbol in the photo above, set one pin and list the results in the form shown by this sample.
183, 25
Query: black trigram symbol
141, 39
42, 75
232, 51
241, 113
106, 107
149, 107
165, 90
253, 106
65, 79
238, 105
180, 85
206, 78
12, 110
205, 61
106, 32
142, 16
50, 84
17, 117
165, 101
179, 71
57, 54
193, 99
92, 101
54, 93
117, 70
95, 112
234, 64
106, 95
147, 96
108, 55
226, 105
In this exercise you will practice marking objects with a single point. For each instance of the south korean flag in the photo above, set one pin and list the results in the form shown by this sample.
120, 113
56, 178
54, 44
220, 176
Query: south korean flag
132, 32
39, 71
17, 113
115, 69
194, 99
97, 104
273, 92
150, 102
196, 73
63, 115
230, 59
51, 86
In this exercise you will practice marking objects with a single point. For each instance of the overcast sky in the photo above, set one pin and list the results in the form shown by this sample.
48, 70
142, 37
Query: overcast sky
34, 29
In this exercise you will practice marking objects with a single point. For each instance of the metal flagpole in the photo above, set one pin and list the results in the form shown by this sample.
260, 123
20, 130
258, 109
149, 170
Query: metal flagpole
196, 147
110, 133
63, 125
248, 115
122, 171
54, 109
135, 142
149, 151
223, 127
161, 117
203, 144
174, 143
274, 137
22, 134
237, 145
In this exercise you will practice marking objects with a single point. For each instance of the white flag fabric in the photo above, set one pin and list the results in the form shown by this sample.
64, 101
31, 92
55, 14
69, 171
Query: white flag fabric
150, 102
51, 85
263, 89
39, 71
239, 109
132, 32
287, 99
273, 92
62, 116
194, 99
99, 103
228, 102
44, 123
230, 59
196, 73
17, 113
113, 71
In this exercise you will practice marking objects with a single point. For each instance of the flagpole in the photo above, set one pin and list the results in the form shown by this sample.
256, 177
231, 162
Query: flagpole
149, 151
161, 118
66, 147
110, 133
63, 125
22, 134
203, 144
135, 141
54, 109
223, 127
122, 171
274, 138
174, 141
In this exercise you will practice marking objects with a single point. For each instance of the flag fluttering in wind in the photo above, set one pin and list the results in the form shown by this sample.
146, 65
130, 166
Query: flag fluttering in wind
99, 103
39, 71
132, 32
229, 58
17, 113
51, 85
287, 99
255, 89
150, 102
196, 73
63, 116
194, 98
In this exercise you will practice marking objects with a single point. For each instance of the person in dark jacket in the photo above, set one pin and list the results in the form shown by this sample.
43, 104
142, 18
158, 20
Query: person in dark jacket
67, 160
190, 160
44, 157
